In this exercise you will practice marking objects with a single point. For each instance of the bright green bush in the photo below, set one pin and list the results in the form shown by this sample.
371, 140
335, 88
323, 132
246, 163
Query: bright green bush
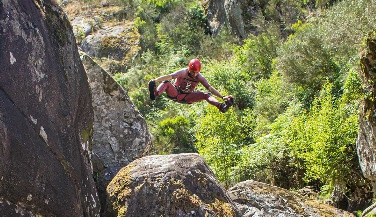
326, 47
220, 137
174, 135
227, 77
324, 140
255, 56
305, 63
268, 159
273, 97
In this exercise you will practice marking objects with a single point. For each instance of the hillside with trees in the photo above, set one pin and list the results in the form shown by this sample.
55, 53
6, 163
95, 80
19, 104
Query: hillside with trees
294, 78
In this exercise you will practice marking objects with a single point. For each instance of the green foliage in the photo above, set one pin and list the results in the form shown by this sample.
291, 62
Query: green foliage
343, 28
307, 64
295, 120
161, 3
324, 48
197, 18
220, 138
227, 77
144, 22
174, 135
182, 30
219, 47
268, 160
272, 99
256, 55
353, 89
325, 139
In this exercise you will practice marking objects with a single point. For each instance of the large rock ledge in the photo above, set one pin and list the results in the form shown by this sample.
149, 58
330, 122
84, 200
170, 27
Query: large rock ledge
172, 185
183, 185
259, 199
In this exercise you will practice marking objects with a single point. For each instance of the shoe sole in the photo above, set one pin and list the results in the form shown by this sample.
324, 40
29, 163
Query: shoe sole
230, 102
227, 105
224, 108
151, 89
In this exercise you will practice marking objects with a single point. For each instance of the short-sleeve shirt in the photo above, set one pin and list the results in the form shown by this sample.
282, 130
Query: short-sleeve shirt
186, 83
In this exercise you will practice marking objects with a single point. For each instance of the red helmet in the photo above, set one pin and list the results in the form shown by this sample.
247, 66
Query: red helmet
194, 65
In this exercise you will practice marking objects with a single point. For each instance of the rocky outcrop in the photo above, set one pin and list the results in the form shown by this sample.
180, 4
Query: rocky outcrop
46, 116
225, 13
103, 32
366, 142
259, 199
116, 43
172, 185
120, 133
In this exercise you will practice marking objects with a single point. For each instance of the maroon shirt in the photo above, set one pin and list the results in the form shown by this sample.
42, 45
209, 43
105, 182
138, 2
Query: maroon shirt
186, 83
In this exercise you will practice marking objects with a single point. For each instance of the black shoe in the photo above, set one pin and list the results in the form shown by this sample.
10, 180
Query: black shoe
230, 102
152, 90
226, 105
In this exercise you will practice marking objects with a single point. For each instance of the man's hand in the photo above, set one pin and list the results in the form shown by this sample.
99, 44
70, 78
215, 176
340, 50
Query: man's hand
227, 98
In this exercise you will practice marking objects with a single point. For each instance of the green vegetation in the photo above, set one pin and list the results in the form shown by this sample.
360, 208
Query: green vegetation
296, 117
296, 87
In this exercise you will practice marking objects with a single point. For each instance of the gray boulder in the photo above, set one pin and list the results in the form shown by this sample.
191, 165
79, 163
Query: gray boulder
120, 133
259, 199
82, 27
116, 46
172, 185
45, 115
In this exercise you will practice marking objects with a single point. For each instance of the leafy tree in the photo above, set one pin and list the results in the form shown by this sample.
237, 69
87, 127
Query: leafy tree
324, 139
220, 138
228, 78
184, 30
256, 55
174, 135
144, 22
273, 97
325, 48
306, 63
268, 160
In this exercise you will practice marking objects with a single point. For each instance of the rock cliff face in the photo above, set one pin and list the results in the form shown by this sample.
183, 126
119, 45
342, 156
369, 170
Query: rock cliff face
225, 13
366, 143
120, 133
46, 116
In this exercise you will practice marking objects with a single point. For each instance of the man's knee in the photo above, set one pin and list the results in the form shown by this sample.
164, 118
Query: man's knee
207, 95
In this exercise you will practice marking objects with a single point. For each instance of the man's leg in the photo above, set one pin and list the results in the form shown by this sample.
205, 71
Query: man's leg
199, 96
152, 90
169, 88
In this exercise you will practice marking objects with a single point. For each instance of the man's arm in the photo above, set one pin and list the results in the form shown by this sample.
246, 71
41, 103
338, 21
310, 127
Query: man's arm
163, 78
215, 92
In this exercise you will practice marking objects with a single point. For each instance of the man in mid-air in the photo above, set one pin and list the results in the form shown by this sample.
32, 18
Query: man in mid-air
183, 89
